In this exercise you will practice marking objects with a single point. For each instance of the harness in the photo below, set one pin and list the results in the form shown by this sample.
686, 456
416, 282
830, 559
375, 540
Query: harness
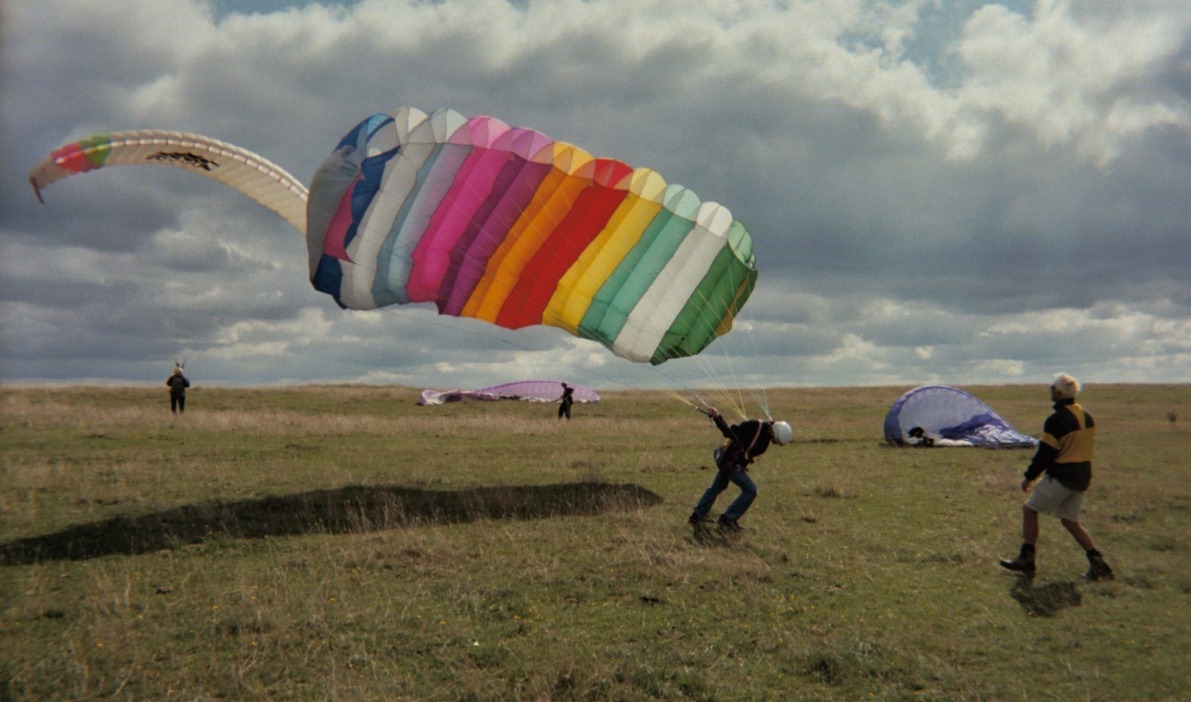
722, 451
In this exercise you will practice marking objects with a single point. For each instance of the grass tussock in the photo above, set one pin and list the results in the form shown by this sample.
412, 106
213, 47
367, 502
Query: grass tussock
340, 542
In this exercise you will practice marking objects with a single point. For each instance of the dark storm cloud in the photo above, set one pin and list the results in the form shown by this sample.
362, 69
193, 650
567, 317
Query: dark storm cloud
966, 192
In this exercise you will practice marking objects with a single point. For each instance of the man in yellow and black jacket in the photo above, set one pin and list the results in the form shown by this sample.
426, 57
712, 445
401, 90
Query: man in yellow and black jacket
1064, 460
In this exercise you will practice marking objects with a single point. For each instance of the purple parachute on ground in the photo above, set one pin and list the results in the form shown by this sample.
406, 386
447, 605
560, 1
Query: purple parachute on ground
940, 415
527, 390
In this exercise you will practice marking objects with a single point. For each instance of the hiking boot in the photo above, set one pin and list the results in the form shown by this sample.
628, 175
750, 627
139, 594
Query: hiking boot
695, 519
728, 524
1018, 565
1098, 569
1024, 563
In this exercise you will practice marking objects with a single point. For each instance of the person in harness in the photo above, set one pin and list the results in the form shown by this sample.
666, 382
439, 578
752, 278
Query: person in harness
567, 399
177, 384
743, 443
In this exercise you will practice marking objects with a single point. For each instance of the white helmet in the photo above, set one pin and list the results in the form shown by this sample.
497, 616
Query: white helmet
782, 433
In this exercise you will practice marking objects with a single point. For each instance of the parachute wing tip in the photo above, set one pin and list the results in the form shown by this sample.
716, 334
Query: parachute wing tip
36, 190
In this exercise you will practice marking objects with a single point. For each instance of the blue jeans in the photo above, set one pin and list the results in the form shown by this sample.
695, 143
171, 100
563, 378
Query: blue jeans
736, 510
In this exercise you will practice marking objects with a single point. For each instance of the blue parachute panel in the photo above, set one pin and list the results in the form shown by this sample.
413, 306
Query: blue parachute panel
941, 415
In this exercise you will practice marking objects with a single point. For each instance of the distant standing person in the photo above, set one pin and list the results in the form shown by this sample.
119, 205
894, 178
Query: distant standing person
568, 399
1064, 458
177, 384
745, 442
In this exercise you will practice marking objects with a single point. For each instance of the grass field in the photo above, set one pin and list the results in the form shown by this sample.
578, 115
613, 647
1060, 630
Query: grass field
342, 543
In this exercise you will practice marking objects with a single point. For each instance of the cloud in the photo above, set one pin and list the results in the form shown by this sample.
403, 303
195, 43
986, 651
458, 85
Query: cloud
954, 192
1070, 72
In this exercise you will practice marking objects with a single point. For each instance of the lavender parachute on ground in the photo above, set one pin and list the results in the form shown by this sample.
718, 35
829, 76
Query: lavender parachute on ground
527, 390
941, 415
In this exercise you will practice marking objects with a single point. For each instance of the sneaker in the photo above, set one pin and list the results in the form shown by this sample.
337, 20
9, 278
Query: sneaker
1098, 570
728, 524
1025, 566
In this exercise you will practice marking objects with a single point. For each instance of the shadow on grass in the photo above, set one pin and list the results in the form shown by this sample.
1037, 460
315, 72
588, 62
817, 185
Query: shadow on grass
352, 509
1046, 600
707, 535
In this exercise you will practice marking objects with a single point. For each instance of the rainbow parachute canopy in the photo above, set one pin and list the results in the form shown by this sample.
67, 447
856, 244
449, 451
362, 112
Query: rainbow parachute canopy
488, 221
941, 415
506, 225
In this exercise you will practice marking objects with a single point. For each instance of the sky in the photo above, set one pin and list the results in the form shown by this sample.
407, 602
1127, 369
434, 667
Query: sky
955, 192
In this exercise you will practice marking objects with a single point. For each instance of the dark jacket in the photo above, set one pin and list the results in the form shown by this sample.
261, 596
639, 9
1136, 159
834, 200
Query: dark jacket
1066, 446
746, 441
178, 384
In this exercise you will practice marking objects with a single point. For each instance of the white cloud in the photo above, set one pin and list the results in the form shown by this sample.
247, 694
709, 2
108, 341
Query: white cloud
1072, 76
999, 368
912, 173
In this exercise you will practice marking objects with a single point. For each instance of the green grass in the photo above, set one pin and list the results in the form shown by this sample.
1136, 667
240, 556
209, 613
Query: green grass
342, 543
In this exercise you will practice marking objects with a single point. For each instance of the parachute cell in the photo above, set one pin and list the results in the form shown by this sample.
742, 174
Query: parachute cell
260, 179
942, 415
505, 225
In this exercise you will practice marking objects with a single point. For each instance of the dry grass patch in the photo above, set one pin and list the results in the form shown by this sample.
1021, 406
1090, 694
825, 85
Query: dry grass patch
343, 543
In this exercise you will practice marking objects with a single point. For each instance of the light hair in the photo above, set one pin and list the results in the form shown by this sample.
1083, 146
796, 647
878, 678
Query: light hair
1067, 386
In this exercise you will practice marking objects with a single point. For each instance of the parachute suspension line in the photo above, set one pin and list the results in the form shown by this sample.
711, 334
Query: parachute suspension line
693, 397
714, 394
490, 335
722, 392
759, 394
693, 401
726, 397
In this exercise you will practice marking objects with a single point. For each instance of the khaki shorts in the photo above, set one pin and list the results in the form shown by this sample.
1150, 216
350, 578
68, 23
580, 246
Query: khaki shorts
1050, 497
